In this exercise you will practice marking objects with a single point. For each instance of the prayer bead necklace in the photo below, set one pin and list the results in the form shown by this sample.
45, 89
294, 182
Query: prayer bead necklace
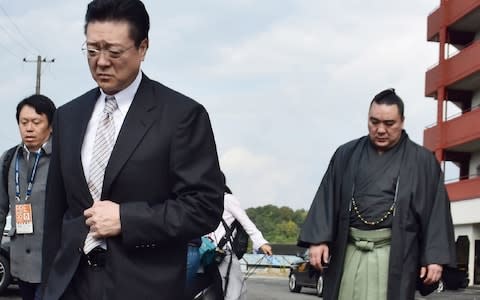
390, 211
383, 218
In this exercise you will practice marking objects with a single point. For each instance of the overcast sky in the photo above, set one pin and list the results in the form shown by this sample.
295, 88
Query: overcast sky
285, 82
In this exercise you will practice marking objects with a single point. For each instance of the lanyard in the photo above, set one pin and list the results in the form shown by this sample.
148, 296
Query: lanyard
32, 176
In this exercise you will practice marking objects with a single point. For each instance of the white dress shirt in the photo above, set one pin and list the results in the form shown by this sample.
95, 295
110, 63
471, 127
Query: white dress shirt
124, 100
232, 211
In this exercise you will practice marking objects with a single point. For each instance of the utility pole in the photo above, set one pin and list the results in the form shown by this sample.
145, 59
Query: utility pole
39, 62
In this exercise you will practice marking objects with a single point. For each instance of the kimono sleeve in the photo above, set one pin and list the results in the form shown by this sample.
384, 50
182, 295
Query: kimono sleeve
438, 235
319, 225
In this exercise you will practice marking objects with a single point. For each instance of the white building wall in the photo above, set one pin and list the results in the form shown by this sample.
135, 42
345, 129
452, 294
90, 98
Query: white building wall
466, 220
466, 212
474, 164
468, 230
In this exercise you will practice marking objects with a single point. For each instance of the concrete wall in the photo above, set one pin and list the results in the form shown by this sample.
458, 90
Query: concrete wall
466, 212
476, 99
473, 233
474, 167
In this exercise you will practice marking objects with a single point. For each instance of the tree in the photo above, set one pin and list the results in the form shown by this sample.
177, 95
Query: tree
278, 224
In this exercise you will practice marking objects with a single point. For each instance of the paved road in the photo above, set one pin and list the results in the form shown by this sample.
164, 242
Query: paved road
276, 288
11, 294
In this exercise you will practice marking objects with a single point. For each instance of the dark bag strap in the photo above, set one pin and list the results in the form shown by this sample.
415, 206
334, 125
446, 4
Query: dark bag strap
7, 159
227, 275
228, 233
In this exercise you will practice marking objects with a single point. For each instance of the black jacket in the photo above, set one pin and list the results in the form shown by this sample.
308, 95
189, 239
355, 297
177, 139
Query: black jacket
164, 173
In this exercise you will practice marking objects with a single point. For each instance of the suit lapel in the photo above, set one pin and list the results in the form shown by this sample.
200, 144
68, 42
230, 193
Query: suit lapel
138, 120
83, 115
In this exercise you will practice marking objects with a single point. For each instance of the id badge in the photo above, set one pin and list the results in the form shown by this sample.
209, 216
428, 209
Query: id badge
23, 217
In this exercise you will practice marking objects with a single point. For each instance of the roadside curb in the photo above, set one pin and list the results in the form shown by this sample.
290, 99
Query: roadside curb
264, 276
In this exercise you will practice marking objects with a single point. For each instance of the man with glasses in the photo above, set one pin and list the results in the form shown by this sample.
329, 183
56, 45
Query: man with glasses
381, 217
134, 173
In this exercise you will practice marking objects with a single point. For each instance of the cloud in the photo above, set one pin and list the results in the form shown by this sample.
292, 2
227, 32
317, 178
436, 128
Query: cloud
284, 83
266, 174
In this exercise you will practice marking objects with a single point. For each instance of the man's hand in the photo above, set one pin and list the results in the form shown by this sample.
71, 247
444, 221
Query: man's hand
103, 218
266, 249
319, 255
431, 274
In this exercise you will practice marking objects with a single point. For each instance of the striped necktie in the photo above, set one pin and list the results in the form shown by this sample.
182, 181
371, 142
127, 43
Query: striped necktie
102, 148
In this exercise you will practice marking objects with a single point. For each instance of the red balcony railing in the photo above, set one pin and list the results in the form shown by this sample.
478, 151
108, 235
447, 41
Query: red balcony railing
457, 131
454, 69
464, 189
448, 14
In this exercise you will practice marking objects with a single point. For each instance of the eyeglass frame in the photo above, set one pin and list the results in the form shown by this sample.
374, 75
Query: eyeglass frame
95, 52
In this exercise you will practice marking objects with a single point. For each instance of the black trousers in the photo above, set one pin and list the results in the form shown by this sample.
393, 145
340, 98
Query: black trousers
28, 290
89, 279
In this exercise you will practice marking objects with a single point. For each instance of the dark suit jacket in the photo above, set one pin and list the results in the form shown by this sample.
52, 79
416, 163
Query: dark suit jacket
163, 172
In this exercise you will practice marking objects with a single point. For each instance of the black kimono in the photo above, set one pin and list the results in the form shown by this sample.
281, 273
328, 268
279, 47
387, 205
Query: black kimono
422, 230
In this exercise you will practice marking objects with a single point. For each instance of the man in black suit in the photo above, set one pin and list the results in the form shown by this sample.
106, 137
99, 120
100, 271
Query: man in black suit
132, 177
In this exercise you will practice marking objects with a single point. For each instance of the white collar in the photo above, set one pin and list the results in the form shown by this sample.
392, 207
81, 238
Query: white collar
125, 97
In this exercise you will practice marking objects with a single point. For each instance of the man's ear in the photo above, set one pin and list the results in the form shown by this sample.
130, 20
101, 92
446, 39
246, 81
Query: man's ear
143, 48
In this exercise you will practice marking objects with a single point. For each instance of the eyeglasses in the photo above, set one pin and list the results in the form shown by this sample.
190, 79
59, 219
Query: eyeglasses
111, 52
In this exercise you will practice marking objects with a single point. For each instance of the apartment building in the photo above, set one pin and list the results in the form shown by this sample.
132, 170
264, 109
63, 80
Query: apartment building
455, 138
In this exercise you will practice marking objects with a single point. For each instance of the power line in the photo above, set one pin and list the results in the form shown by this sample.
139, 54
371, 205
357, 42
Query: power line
18, 30
14, 39
9, 50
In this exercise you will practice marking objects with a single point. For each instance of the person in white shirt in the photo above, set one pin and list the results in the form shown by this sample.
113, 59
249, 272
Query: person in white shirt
235, 288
